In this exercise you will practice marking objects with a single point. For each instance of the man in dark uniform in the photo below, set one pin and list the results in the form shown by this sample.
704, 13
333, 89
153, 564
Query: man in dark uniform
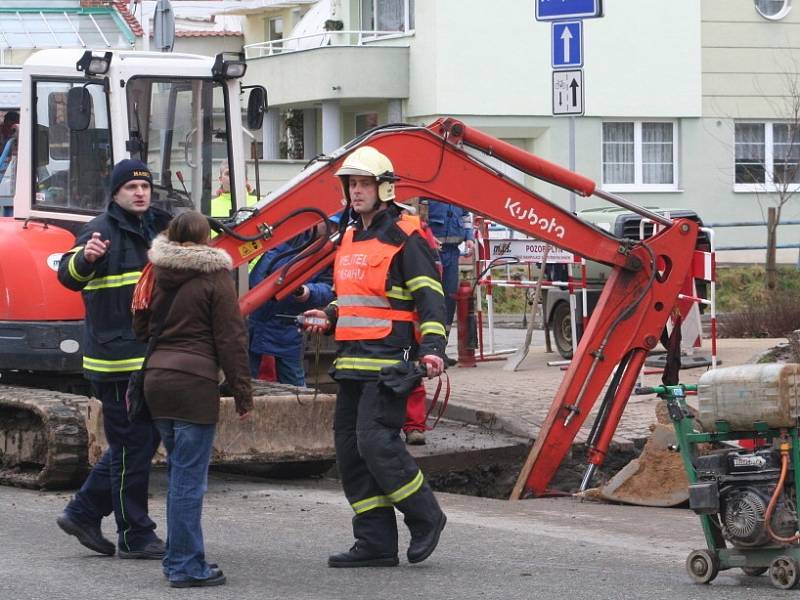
389, 312
104, 266
451, 226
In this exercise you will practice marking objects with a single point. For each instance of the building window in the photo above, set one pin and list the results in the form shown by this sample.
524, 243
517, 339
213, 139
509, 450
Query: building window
365, 122
640, 155
767, 156
274, 32
387, 15
773, 9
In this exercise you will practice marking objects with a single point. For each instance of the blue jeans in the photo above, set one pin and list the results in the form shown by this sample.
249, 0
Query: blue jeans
188, 455
290, 370
449, 254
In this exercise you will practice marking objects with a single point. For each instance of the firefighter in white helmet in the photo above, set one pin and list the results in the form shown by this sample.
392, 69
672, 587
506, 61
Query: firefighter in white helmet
389, 313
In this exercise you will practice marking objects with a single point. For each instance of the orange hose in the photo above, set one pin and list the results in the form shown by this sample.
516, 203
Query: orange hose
774, 500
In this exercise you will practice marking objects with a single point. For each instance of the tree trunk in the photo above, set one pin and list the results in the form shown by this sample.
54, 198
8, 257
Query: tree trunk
772, 230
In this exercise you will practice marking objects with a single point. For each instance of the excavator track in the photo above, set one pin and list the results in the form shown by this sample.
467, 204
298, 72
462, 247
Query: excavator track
43, 438
49, 439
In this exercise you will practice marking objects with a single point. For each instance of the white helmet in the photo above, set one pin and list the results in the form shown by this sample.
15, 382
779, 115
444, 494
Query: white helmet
368, 162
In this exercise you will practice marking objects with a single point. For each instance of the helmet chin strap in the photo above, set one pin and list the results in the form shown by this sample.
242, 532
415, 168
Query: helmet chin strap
344, 220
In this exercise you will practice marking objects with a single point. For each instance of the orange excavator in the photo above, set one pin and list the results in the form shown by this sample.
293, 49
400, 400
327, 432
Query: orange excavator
449, 160
83, 111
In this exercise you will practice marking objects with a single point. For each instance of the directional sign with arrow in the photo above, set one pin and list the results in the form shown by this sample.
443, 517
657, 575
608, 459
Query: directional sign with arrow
568, 92
567, 44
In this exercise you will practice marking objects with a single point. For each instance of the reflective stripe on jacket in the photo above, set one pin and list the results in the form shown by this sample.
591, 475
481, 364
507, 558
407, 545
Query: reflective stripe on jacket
360, 274
110, 350
412, 285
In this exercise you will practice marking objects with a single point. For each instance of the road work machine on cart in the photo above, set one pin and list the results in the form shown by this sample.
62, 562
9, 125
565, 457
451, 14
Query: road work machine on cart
742, 469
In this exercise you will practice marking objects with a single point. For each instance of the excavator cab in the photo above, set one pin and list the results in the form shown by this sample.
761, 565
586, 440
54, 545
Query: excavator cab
81, 112
174, 113
178, 128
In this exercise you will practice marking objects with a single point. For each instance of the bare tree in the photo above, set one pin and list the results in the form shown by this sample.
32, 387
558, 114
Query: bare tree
782, 181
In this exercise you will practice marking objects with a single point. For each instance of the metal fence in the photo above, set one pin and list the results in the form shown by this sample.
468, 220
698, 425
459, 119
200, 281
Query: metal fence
753, 224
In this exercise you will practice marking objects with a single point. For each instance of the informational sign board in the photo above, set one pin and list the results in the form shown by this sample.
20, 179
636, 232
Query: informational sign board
529, 251
567, 45
568, 92
554, 10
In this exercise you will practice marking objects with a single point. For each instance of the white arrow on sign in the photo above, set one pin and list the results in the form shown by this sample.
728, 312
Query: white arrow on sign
566, 36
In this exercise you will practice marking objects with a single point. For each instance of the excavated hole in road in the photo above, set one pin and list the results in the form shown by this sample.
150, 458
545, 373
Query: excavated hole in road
496, 479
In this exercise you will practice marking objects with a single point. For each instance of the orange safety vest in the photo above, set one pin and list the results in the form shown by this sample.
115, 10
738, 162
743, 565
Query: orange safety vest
360, 273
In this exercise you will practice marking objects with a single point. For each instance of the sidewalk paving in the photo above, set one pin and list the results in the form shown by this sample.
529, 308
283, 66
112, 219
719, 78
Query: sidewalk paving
518, 402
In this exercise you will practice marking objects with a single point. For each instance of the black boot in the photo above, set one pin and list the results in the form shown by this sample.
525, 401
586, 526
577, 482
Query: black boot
358, 556
87, 534
421, 547
425, 521
375, 532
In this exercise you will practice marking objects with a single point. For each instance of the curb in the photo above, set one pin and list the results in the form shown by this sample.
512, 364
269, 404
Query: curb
482, 418
494, 422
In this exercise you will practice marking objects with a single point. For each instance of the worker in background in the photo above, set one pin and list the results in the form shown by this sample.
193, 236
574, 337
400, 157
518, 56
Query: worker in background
416, 411
104, 265
8, 142
452, 226
222, 204
277, 336
9, 127
386, 285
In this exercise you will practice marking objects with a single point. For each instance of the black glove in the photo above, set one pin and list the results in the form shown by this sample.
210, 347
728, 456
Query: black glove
401, 378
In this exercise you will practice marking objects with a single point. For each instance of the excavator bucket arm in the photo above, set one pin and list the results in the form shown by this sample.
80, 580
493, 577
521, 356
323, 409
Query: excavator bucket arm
444, 161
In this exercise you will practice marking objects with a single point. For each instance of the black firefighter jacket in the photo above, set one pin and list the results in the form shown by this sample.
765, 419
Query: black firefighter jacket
413, 283
110, 349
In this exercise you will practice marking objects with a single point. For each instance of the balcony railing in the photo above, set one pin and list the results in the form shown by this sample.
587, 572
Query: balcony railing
318, 40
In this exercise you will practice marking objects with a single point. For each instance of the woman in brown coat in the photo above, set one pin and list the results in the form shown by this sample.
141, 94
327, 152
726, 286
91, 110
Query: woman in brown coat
203, 332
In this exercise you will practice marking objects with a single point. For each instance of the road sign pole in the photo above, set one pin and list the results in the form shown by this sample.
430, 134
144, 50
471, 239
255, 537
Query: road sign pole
572, 204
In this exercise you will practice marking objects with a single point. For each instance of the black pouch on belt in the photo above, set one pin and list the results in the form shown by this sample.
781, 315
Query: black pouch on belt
401, 378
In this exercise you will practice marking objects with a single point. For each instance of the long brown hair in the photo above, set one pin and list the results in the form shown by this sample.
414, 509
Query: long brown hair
190, 226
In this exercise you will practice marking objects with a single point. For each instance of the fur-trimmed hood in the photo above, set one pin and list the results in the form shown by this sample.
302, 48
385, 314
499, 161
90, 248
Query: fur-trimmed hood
174, 264
171, 255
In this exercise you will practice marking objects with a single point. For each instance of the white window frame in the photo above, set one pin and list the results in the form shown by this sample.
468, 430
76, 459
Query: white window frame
406, 22
787, 7
638, 185
769, 165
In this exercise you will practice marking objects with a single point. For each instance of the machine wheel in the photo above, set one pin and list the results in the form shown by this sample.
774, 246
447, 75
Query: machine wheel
784, 572
754, 571
702, 565
561, 326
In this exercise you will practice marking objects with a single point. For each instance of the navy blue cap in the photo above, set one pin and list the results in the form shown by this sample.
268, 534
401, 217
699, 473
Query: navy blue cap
128, 169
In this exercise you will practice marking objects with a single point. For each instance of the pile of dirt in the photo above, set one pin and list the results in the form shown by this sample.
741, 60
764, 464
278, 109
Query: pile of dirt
660, 472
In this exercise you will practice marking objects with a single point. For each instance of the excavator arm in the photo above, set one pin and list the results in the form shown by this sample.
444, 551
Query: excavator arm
444, 161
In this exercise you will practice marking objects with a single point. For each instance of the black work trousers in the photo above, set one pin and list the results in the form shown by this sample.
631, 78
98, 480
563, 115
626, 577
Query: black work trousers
119, 481
378, 474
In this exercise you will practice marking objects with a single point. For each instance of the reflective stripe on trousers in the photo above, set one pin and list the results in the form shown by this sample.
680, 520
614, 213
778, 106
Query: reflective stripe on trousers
395, 497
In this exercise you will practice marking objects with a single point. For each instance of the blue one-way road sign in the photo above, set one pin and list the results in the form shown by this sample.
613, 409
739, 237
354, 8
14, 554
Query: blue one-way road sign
567, 44
550, 10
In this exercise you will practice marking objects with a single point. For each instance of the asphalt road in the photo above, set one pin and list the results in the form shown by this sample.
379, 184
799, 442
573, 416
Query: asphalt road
272, 539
